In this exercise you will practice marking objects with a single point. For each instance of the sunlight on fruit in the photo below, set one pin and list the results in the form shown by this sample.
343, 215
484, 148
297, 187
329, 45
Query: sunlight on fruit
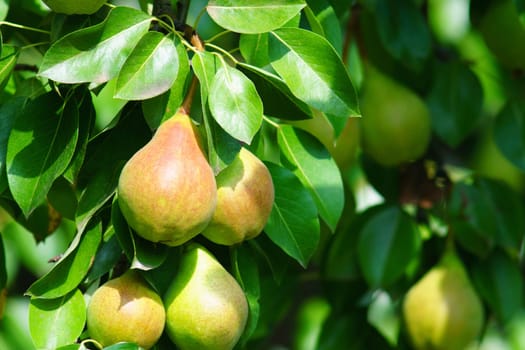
449, 19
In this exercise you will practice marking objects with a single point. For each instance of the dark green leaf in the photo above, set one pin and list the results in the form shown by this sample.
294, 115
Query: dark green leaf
509, 132
313, 71
278, 100
313, 165
107, 256
41, 145
8, 57
96, 54
293, 224
254, 49
9, 111
99, 176
403, 31
143, 254
57, 322
151, 69
477, 231
387, 244
455, 103
235, 104
3, 271
323, 21
249, 16
69, 272
499, 282
247, 273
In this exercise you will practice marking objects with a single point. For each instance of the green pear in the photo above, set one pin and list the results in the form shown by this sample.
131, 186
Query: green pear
442, 311
167, 190
504, 33
75, 7
245, 196
206, 309
126, 309
396, 125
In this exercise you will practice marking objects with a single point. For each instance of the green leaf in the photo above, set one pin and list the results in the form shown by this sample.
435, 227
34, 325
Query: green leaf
403, 31
246, 271
96, 54
3, 271
254, 49
313, 71
388, 242
509, 132
222, 147
455, 103
235, 104
69, 272
499, 281
313, 165
384, 316
293, 224
107, 256
323, 21
99, 176
143, 254
253, 16
8, 58
57, 322
278, 101
107, 107
151, 69
477, 231
40, 147
9, 112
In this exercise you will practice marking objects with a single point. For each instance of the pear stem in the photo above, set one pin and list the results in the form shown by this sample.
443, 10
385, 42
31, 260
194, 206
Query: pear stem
188, 100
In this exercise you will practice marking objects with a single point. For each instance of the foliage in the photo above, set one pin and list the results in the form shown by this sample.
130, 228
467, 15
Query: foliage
80, 94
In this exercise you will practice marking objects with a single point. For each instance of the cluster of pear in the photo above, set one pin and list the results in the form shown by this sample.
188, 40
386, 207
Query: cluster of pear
168, 194
204, 307
442, 311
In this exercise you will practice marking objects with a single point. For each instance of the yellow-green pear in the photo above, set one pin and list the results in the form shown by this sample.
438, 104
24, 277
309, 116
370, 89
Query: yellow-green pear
75, 7
126, 309
245, 196
442, 311
396, 124
206, 309
167, 190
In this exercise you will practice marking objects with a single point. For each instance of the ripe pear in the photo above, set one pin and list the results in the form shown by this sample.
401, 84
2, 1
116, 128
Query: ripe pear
396, 124
126, 309
75, 7
442, 310
245, 197
167, 190
206, 309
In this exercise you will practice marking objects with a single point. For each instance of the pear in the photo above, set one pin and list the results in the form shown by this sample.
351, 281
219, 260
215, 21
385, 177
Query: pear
442, 311
396, 124
126, 309
206, 309
245, 196
504, 33
75, 7
167, 190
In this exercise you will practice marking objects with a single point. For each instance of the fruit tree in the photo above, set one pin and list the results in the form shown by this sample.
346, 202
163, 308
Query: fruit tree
262, 174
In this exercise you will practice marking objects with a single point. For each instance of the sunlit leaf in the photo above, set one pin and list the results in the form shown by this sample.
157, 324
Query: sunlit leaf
249, 16
96, 54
